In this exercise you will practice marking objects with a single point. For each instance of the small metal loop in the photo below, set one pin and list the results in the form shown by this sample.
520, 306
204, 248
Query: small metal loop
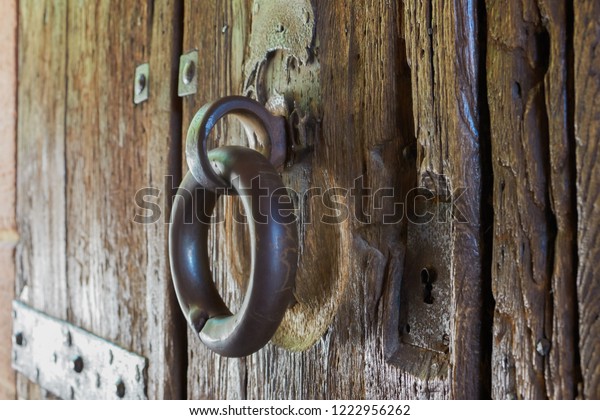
274, 253
260, 126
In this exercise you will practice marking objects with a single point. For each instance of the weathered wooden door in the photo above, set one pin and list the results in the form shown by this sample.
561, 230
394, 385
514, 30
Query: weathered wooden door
486, 107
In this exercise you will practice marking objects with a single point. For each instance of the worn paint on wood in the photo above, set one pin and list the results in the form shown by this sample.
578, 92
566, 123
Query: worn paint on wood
535, 353
84, 152
587, 132
8, 234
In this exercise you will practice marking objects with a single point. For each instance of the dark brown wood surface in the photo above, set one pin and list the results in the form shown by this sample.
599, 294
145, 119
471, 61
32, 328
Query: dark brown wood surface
587, 134
535, 317
444, 58
84, 151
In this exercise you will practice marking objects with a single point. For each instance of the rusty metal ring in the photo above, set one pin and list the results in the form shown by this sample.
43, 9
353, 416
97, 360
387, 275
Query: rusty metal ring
264, 130
274, 239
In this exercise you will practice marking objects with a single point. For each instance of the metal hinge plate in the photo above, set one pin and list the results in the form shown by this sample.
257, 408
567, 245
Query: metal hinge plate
72, 363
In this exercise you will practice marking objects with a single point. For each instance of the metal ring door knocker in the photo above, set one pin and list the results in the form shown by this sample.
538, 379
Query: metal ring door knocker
241, 171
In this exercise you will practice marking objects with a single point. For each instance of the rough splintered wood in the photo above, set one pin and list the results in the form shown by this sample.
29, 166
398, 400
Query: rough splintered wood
82, 142
367, 120
8, 235
561, 370
587, 132
442, 51
534, 353
41, 263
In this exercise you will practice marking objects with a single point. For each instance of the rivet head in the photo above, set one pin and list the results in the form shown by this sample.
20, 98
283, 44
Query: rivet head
543, 347
78, 364
19, 339
120, 389
189, 72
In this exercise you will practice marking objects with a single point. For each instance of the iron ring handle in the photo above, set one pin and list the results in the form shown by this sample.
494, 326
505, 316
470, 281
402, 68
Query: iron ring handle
273, 253
260, 125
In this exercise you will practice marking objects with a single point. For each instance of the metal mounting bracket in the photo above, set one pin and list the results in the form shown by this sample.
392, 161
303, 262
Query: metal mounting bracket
72, 363
188, 73
141, 83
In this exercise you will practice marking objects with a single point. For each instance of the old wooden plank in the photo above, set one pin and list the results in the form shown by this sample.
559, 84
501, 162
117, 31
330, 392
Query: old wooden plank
587, 132
7, 278
534, 354
8, 235
443, 53
219, 30
118, 278
562, 370
41, 263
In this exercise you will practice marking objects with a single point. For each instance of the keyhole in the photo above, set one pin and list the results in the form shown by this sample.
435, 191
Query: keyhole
427, 278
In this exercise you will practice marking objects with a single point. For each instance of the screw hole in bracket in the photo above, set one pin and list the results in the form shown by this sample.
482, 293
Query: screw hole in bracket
427, 278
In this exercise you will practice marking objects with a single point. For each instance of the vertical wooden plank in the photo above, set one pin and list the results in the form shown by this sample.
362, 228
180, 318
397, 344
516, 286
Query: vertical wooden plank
219, 30
534, 354
118, 277
587, 132
562, 370
443, 53
8, 234
41, 263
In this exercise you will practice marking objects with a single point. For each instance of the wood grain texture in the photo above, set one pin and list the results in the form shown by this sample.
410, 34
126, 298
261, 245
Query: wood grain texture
8, 167
587, 132
442, 50
7, 280
534, 354
118, 275
367, 115
84, 152
41, 202
562, 372
219, 30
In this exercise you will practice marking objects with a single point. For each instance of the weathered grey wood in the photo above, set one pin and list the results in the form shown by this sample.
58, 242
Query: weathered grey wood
118, 276
535, 353
8, 234
363, 115
587, 132
41, 254
84, 152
